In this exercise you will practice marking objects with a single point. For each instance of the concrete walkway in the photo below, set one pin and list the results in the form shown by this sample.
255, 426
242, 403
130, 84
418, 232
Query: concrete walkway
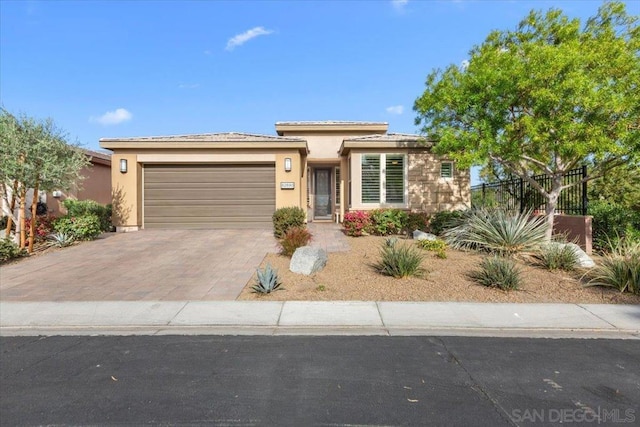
319, 318
328, 236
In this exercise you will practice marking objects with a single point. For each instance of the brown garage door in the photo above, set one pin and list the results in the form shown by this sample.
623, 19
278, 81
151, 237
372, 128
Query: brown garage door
209, 196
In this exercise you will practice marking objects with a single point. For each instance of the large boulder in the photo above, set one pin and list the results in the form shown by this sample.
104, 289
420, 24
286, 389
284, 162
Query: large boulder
584, 260
421, 235
307, 260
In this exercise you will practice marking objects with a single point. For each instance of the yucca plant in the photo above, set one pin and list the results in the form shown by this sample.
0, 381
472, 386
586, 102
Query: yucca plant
498, 231
267, 281
620, 269
498, 272
294, 238
400, 261
557, 256
61, 240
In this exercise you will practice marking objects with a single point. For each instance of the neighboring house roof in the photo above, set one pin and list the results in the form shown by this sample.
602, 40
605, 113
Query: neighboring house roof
390, 140
206, 140
97, 156
331, 125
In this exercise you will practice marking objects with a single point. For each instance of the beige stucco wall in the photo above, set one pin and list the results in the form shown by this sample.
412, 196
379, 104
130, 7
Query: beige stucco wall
325, 145
430, 193
127, 187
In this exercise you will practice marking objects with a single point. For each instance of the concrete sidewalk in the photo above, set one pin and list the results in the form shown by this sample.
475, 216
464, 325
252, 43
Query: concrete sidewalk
318, 318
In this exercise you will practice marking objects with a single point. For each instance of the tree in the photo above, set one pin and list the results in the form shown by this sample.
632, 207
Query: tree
545, 98
34, 154
620, 186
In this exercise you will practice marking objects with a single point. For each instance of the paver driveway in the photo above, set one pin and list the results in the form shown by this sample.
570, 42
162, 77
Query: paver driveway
146, 265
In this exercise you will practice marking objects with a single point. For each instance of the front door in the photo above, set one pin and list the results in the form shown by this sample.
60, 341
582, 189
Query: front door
322, 205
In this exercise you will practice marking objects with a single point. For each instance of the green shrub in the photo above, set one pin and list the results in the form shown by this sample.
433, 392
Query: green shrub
85, 227
9, 250
80, 208
267, 281
399, 261
498, 231
294, 238
498, 272
556, 256
285, 218
417, 221
444, 220
612, 221
356, 223
619, 269
432, 245
387, 221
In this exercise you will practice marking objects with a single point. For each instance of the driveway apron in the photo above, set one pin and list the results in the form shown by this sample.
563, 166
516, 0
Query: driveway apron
151, 265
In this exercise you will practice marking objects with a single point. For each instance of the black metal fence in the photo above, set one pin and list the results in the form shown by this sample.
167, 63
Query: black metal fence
518, 194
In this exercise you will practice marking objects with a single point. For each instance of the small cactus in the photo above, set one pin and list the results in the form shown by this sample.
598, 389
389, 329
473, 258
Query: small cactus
267, 281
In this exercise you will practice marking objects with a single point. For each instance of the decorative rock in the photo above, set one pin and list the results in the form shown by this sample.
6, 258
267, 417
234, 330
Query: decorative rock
584, 260
307, 260
421, 235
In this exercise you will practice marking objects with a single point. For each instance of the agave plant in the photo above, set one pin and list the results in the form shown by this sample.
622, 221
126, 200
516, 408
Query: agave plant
61, 239
498, 272
557, 256
498, 231
267, 281
620, 269
399, 261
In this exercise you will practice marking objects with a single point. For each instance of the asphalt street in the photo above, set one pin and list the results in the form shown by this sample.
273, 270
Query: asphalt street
330, 380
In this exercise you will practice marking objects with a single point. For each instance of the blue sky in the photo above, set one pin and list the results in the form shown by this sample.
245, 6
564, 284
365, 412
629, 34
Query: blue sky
139, 68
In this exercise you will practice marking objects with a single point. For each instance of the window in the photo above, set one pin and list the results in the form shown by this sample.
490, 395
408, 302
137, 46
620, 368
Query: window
371, 178
383, 178
394, 178
446, 170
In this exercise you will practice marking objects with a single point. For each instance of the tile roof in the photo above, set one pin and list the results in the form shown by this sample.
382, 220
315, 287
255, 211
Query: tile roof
207, 137
328, 122
389, 137
97, 154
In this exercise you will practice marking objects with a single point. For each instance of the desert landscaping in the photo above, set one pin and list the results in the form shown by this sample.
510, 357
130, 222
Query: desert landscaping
352, 276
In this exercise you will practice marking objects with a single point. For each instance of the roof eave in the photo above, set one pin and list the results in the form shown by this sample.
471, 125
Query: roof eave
348, 145
281, 128
114, 144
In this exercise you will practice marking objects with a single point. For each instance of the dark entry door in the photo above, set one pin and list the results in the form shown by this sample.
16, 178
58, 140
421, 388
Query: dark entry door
322, 205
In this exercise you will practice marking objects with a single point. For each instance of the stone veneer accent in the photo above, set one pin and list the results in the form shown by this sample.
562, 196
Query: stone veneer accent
430, 193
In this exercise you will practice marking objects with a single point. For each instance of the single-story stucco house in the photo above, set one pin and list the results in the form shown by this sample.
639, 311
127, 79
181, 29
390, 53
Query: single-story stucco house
237, 180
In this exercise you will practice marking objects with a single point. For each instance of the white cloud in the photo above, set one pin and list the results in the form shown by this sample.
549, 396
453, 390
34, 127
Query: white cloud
464, 64
240, 39
395, 109
399, 4
115, 117
189, 85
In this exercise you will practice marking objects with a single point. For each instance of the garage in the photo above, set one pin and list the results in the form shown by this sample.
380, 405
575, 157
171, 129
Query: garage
206, 196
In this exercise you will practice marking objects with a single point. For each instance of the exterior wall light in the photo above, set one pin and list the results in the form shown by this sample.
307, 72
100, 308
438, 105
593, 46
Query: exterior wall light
287, 164
123, 165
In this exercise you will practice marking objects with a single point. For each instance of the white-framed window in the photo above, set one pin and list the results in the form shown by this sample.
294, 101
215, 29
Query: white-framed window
446, 170
383, 178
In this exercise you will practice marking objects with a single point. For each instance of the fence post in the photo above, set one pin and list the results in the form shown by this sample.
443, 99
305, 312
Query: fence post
521, 195
585, 199
484, 186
